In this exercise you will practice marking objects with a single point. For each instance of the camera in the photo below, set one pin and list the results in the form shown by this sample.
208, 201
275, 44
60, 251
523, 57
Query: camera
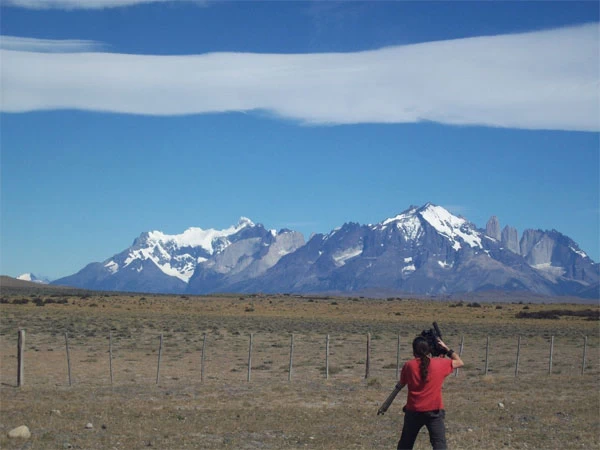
431, 336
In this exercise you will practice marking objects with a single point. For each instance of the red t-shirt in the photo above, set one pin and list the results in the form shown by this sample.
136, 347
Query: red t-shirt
425, 396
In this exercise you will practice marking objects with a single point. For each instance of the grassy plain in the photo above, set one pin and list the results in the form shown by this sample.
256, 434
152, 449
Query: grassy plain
535, 410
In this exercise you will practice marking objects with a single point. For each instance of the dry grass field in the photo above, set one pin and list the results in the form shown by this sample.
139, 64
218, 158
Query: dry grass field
535, 410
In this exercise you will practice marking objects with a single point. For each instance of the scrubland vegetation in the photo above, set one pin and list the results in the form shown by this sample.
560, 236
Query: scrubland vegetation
534, 410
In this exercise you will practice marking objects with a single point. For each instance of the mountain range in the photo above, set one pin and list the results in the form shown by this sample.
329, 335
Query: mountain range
424, 250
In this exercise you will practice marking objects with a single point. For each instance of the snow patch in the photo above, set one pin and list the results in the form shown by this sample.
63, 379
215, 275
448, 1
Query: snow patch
450, 226
549, 268
112, 266
340, 258
579, 252
183, 275
335, 230
407, 223
154, 253
409, 269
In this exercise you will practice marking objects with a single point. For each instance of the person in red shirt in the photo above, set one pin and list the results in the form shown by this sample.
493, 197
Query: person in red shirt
424, 376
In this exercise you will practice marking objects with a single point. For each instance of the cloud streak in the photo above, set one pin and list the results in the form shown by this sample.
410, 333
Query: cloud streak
82, 4
539, 80
23, 44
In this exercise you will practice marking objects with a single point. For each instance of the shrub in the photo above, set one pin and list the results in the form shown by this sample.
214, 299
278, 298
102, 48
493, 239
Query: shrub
373, 382
60, 301
20, 301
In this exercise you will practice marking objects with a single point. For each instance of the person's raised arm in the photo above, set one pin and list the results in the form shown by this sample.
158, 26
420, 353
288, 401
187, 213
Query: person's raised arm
456, 360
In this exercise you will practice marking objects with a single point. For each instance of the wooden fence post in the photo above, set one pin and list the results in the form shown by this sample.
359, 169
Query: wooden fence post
551, 355
110, 356
250, 358
160, 346
460, 350
368, 362
584, 352
20, 358
68, 357
518, 354
487, 353
327, 358
398, 359
202, 358
291, 357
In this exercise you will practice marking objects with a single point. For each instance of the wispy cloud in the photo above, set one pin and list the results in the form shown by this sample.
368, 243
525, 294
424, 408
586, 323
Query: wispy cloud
297, 224
460, 210
83, 4
539, 80
23, 44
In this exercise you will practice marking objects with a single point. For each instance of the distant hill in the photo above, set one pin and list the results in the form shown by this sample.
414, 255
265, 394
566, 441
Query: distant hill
11, 284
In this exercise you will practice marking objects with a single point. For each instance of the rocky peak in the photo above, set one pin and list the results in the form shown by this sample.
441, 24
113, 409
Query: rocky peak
245, 222
510, 239
492, 228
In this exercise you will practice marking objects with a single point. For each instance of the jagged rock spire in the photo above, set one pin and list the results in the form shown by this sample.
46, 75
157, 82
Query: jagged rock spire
492, 228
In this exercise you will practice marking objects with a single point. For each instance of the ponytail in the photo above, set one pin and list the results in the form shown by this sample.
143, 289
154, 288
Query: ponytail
421, 350
423, 368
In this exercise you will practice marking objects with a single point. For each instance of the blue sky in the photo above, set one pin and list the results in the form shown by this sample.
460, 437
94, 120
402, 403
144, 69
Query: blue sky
304, 115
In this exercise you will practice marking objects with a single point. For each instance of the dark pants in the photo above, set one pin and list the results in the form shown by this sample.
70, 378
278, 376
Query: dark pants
414, 421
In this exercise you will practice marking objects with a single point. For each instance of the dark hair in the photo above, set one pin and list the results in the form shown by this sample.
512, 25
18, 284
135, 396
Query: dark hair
421, 350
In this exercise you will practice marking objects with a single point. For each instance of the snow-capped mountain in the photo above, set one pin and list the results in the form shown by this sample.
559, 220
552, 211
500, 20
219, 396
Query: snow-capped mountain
33, 278
423, 250
158, 262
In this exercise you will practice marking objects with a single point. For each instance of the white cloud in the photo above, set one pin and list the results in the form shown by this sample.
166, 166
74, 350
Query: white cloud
24, 44
82, 4
539, 80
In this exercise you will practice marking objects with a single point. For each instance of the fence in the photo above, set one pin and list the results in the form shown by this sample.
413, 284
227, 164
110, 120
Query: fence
307, 356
